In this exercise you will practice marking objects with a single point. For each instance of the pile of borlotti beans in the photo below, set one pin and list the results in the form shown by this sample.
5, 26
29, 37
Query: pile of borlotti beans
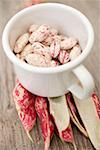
44, 46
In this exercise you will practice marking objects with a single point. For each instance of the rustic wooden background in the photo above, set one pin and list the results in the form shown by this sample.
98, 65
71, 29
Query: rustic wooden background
12, 134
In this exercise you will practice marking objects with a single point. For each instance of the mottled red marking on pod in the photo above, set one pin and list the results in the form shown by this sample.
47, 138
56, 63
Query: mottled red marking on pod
25, 105
47, 126
67, 135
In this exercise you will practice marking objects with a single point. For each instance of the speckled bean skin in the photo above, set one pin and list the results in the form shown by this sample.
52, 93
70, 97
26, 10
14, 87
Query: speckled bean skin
37, 60
68, 43
63, 57
21, 43
55, 48
44, 46
46, 123
40, 34
75, 52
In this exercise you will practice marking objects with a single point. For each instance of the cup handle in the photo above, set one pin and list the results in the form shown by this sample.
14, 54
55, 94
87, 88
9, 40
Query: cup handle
87, 86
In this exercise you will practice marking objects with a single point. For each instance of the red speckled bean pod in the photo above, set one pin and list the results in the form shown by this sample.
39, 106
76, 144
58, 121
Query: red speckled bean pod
67, 136
97, 103
47, 126
25, 102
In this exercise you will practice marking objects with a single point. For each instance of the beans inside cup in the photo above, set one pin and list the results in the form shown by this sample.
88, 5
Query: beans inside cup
44, 46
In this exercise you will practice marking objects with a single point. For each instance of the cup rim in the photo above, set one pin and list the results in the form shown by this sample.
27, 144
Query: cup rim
64, 67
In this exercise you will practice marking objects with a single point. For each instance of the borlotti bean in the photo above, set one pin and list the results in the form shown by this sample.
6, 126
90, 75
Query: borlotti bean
44, 46
40, 34
21, 43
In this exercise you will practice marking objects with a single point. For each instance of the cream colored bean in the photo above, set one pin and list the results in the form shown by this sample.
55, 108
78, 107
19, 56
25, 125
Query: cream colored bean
40, 34
21, 43
75, 52
68, 43
27, 50
41, 49
48, 40
37, 60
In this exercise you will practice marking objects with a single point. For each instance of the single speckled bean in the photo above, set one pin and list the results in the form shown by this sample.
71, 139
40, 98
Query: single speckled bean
27, 50
68, 43
37, 60
40, 34
48, 41
63, 57
75, 52
55, 48
21, 43
42, 50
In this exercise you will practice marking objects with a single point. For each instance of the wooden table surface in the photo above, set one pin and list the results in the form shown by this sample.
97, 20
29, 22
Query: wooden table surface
12, 134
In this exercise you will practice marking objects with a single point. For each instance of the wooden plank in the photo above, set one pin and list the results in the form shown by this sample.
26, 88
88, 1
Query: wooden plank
12, 134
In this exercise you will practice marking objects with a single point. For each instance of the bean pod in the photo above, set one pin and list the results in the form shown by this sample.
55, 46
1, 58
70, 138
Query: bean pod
47, 126
25, 105
74, 114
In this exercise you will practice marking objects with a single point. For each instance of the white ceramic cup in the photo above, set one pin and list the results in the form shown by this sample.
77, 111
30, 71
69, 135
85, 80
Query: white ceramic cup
56, 81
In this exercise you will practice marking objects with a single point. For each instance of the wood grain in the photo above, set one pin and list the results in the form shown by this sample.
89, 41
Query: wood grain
12, 134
